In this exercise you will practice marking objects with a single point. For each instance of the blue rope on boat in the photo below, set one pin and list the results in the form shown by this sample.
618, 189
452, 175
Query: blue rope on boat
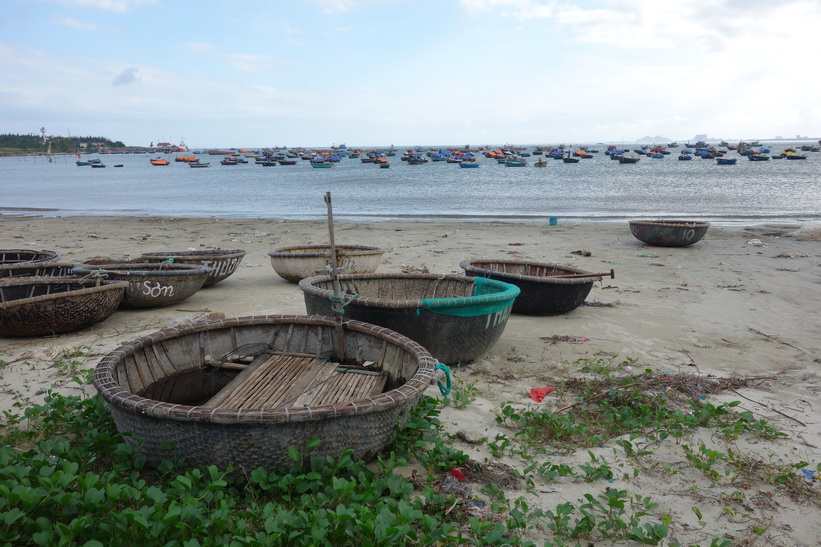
445, 389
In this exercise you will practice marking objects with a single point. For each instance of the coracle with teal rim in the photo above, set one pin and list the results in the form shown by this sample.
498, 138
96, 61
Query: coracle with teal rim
457, 318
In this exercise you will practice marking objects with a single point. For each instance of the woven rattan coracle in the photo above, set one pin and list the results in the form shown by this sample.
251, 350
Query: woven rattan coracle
25, 269
542, 292
456, 318
296, 263
159, 387
38, 306
17, 256
220, 264
150, 284
668, 233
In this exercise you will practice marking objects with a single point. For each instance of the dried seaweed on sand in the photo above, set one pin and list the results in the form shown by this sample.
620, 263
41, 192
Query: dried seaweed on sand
691, 386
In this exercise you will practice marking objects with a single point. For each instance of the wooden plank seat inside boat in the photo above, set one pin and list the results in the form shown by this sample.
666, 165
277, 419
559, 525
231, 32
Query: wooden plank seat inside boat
296, 381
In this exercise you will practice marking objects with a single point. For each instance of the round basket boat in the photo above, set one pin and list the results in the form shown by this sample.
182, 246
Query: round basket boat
456, 318
26, 269
542, 292
220, 264
296, 263
668, 233
18, 256
150, 284
39, 306
178, 396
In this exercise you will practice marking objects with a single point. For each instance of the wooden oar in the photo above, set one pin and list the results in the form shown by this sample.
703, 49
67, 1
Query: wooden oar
611, 274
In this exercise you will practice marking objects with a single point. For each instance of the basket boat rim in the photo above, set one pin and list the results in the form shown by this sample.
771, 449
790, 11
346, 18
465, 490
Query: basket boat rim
7, 267
468, 266
42, 256
308, 286
95, 287
406, 394
202, 254
323, 251
142, 269
671, 223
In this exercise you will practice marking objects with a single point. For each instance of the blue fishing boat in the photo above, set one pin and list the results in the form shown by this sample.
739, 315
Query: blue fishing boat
320, 162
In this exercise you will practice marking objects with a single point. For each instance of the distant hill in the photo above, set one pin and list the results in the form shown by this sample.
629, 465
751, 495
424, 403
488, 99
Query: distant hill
657, 138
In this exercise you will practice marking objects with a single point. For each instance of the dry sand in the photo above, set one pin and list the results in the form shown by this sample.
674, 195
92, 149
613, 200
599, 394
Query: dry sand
743, 302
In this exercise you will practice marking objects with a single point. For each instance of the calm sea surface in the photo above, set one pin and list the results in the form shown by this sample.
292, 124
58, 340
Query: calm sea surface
593, 190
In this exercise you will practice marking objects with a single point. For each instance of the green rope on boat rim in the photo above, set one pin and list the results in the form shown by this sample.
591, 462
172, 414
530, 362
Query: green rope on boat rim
340, 300
445, 389
97, 273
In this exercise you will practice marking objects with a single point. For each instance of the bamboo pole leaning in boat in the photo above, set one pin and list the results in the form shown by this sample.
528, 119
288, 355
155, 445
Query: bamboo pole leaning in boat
338, 308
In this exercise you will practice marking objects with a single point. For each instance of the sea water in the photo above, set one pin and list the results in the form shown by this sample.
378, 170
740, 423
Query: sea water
597, 189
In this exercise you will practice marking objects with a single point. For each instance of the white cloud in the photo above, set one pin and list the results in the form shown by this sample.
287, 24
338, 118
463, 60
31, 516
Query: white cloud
107, 5
248, 62
595, 70
708, 26
336, 6
71, 22
245, 62
199, 47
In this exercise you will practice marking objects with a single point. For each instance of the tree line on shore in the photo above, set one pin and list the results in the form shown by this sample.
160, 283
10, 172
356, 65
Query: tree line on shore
38, 144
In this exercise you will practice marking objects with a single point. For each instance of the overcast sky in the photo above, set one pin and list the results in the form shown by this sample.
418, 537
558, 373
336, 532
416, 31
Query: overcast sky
379, 72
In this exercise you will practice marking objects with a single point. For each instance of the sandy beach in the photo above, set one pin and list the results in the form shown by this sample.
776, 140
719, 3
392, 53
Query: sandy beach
745, 302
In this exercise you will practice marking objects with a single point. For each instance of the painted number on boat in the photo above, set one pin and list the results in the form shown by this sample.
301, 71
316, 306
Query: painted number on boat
220, 267
498, 318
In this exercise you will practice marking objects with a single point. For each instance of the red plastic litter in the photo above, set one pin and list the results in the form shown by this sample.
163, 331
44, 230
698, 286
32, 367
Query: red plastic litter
538, 393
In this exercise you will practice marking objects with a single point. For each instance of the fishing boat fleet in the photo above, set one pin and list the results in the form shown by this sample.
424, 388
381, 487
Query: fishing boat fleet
509, 156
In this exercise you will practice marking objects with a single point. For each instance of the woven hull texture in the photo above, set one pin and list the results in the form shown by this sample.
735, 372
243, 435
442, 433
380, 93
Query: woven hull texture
17, 256
395, 301
541, 294
26, 269
668, 233
296, 263
220, 264
150, 284
39, 306
257, 437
